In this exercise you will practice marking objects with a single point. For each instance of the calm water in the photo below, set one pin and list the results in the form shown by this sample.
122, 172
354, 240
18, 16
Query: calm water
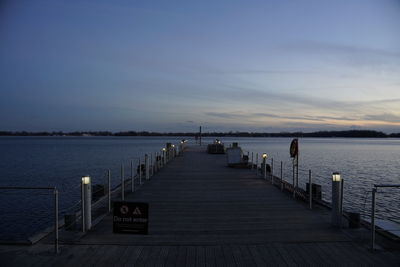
61, 161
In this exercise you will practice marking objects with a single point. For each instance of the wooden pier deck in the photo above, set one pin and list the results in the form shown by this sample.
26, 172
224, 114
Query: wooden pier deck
203, 213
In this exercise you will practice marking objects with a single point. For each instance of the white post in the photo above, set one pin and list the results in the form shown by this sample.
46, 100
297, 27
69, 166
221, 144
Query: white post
146, 164
87, 203
336, 195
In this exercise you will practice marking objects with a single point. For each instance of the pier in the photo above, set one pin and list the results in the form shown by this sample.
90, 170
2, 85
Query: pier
202, 213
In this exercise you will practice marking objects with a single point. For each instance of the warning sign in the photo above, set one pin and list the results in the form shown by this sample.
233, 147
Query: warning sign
131, 218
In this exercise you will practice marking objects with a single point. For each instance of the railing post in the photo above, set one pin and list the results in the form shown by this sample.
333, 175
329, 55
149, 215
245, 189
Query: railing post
132, 177
109, 190
310, 188
56, 220
140, 171
252, 160
272, 171
83, 207
281, 176
151, 165
294, 189
257, 164
122, 183
147, 166
373, 218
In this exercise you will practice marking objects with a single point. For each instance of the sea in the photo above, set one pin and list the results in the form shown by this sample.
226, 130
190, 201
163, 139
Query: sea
62, 161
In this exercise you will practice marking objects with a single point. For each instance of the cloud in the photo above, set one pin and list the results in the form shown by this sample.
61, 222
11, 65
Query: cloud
385, 117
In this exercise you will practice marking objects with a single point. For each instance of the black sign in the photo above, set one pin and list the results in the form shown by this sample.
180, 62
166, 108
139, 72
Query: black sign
130, 218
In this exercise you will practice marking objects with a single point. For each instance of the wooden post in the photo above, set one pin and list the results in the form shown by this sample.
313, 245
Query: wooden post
281, 176
310, 188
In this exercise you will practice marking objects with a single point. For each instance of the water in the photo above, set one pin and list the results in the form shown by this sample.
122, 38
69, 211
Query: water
61, 161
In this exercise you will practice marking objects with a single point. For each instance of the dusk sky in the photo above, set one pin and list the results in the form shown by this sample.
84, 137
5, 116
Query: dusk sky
265, 66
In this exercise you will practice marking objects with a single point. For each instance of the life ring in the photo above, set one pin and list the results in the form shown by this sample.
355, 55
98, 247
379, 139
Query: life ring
294, 148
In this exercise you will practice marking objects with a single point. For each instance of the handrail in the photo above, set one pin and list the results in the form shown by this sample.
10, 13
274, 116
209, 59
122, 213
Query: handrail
374, 191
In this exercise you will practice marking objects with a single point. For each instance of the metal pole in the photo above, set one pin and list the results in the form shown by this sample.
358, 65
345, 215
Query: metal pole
132, 178
265, 168
281, 176
297, 170
147, 166
200, 136
122, 183
341, 197
257, 164
83, 207
310, 188
294, 189
272, 171
373, 218
56, 220
109, 190
140, 171
151, 164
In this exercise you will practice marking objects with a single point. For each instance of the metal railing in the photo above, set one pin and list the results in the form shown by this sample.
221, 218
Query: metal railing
55, 192
374, 191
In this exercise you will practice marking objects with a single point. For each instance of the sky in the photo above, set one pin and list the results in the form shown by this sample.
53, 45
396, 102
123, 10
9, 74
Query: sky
263, 66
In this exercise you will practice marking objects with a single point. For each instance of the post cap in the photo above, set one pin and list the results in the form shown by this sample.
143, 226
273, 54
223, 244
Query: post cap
86, 179
265, 155
336, 177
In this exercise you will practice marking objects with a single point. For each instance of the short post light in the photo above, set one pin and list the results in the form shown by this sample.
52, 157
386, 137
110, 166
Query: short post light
86, 199
336, 200
173, 151
163, 156
264, 163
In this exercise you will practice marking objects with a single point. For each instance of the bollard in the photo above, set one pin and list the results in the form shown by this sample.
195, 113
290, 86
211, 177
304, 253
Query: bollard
146, 165
132, 178
164, 162
336, 195
265, 156
109, 191
310, 189
252, 162
281, 176
122, 183
86, 199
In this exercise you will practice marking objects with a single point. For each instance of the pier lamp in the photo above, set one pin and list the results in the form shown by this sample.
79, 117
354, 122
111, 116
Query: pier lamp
86, 179
264, 164
86, 199
336, 200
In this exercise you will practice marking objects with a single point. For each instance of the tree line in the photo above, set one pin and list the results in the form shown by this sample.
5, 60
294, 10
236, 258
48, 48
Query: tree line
349, 134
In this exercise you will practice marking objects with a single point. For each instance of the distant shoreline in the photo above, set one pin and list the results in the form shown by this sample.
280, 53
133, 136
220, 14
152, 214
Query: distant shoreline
322, 134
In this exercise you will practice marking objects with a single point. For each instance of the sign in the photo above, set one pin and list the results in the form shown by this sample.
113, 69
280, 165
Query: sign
130, 217
294, 148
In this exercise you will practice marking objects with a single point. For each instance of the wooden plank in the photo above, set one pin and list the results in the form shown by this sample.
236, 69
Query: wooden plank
255, 254
200, 256
210, 256
172, 257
